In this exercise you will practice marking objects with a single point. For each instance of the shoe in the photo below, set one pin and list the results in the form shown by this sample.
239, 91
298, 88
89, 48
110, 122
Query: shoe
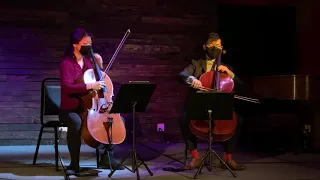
72, 171
193, 164
233, 165
104, 163
81, 172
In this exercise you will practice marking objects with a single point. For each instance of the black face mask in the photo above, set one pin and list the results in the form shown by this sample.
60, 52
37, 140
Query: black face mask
85, 50
213, 53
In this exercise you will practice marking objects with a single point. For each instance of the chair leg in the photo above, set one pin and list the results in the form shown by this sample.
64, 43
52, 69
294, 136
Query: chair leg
56, 145
185, 155
38, 145
98, 157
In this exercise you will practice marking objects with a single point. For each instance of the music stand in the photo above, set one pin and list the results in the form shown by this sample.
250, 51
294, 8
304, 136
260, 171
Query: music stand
200, 107
133, 97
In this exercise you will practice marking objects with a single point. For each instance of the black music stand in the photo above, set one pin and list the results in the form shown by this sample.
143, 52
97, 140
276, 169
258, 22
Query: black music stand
200, 107
133, 97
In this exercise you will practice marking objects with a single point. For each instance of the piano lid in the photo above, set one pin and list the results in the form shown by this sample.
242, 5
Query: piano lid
287, 87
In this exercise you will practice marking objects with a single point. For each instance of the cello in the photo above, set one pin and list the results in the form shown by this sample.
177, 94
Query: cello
222, 129
99, 127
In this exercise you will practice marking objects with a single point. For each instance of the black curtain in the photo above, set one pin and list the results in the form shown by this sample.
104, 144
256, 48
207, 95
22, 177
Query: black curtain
260, 41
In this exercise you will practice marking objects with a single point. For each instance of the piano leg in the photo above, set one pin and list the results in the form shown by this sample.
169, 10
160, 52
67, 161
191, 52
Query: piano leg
306, 118
315, 131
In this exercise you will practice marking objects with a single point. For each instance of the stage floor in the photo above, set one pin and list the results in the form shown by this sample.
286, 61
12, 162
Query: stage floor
16, 163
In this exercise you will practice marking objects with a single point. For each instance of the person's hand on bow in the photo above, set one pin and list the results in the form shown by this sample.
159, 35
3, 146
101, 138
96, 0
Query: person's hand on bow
194, 82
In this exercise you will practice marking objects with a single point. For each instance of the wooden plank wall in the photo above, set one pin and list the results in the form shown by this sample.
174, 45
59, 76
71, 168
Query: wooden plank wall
34, 34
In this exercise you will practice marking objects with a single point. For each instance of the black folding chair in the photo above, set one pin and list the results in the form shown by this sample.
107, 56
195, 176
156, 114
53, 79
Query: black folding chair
50, 105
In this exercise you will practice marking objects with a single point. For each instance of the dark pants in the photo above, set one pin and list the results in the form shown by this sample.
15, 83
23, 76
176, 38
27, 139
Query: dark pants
74, 123
191, 140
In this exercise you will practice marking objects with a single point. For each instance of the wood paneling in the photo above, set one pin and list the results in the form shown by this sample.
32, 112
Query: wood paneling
33, 38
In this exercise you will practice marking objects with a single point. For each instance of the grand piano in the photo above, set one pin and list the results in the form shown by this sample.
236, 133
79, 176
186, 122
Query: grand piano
289, 101
287, 87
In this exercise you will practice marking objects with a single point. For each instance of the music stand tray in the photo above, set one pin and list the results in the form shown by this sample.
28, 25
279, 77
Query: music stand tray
210, 105
131, 98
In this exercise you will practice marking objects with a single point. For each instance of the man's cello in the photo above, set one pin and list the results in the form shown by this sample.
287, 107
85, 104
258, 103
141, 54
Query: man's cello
222, 129
98, 126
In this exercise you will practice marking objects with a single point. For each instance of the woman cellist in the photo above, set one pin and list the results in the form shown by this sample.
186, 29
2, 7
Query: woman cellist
72, 67
190, 75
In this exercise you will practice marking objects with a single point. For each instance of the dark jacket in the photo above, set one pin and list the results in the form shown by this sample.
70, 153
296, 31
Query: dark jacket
197, 67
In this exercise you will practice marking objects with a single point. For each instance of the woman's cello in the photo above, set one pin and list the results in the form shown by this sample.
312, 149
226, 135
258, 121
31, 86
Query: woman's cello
222, 129
98, 126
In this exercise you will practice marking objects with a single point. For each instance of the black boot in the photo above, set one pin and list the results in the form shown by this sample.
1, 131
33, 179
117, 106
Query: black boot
105, 163
81, 172
71, 170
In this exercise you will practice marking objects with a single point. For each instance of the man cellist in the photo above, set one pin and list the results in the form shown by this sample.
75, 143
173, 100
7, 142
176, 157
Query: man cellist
191, 73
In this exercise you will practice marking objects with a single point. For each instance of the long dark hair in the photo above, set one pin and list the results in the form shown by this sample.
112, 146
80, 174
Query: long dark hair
75, 38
